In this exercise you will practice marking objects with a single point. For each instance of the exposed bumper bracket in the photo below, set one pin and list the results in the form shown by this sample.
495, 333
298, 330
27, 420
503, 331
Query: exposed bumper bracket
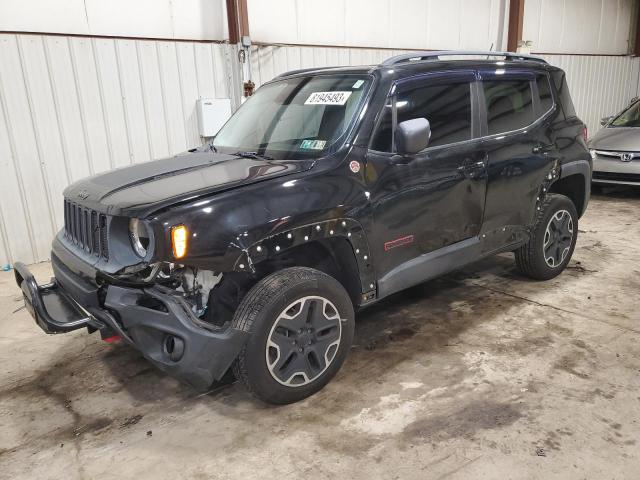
53, 310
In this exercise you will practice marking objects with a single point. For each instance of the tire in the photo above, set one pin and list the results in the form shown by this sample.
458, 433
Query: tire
300, 323
547, 253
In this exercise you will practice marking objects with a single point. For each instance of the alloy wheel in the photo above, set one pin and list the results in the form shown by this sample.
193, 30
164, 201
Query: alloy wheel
303, 341
557, 238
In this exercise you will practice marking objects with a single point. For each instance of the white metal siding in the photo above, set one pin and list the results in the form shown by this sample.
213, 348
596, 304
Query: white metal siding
72, 106
600, 85
267, 61
434, 24
180, 19
578, 26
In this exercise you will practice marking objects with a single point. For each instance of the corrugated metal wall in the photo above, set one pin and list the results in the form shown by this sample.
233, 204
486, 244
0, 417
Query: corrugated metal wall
433, 24
599, 85
267, 61
579, 26
167, 19
71, 107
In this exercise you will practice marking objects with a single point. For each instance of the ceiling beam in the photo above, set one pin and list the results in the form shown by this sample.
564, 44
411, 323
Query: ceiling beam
516, 21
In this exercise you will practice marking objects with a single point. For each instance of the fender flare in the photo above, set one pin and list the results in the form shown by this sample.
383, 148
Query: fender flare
575, 167
584, 168
346, 228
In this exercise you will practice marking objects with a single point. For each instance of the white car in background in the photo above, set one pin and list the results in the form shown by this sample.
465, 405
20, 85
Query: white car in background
616, 148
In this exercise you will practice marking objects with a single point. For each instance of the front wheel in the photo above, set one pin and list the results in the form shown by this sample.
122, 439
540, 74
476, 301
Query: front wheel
552, 241
301, 326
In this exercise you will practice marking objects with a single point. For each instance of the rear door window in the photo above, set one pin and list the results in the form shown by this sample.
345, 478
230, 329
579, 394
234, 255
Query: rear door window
447, 107
509, 105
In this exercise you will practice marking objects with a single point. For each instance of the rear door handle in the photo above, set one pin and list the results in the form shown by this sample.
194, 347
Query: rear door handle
543, 148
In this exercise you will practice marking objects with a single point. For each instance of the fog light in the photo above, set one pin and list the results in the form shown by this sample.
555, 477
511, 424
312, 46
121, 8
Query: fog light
173, 347
179, 241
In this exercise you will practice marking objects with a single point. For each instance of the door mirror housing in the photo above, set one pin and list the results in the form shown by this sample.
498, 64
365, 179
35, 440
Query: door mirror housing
412, 136
606, 120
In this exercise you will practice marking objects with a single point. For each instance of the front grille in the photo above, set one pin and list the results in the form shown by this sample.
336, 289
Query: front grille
615, 155
86, 229
617, 177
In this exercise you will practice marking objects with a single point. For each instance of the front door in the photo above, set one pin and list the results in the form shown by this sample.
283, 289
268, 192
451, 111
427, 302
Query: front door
435, 198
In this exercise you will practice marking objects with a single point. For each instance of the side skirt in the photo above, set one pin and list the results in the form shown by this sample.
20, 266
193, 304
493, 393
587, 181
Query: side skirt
434, 264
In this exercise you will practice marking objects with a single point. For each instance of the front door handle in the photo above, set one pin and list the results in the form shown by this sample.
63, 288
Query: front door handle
471, 169
543, 148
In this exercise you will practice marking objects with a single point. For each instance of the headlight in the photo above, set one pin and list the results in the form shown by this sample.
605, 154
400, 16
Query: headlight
139, 237
593, 153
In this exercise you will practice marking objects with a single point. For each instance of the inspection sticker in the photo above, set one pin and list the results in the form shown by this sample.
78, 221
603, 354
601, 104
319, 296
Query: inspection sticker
328, 98
313, 144
358, 84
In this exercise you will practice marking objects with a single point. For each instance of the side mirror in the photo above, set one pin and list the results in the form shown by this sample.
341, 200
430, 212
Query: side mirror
606, 120
412, 136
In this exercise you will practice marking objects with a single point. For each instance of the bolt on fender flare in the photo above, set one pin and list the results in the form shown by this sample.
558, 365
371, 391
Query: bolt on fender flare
346, 228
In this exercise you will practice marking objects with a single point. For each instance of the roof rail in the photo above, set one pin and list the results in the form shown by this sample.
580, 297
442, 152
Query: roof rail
300, 70
435, 56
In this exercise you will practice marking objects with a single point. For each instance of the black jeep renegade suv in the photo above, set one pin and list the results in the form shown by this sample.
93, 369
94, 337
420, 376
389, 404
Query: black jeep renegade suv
328, 190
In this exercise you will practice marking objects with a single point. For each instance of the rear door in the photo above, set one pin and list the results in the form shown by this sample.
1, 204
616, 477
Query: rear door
520, 144
434, 198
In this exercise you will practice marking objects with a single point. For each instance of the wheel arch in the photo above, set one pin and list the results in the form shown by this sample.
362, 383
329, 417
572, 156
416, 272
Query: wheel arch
574, 182
336, 247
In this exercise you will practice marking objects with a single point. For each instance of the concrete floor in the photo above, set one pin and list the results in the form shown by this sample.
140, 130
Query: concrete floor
481, 374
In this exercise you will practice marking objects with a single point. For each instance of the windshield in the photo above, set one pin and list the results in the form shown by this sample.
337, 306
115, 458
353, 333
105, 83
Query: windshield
628, 118
301, 117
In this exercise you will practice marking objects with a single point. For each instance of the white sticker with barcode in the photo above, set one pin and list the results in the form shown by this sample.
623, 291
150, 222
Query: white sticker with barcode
328, 98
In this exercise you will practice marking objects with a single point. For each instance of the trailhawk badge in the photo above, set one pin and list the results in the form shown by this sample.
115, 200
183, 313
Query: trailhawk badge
354, 166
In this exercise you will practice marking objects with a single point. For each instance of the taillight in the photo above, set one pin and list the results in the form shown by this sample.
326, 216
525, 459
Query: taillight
585, 133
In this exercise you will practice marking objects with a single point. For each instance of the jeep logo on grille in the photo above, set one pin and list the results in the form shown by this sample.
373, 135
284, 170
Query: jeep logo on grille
626, 157
83, 194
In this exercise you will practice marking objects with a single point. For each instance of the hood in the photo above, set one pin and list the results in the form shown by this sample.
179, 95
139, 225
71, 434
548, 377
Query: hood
619, 139
146, 187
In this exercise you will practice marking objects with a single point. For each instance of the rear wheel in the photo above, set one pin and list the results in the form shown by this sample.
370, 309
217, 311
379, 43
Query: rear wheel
301, 325
552, 241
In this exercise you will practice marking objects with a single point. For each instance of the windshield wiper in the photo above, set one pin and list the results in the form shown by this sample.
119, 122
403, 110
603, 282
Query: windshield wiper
254, 155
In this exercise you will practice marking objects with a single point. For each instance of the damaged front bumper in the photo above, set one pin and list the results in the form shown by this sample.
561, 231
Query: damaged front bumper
156, 321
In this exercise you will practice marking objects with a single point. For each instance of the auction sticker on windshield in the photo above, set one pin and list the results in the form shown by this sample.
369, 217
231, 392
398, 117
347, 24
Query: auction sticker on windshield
313, 144
328, 98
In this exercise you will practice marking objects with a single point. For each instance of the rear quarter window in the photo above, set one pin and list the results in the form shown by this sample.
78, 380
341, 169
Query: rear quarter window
544, 93
560, 82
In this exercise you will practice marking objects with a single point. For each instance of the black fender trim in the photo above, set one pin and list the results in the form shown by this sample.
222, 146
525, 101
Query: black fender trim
579, 167
346, 228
